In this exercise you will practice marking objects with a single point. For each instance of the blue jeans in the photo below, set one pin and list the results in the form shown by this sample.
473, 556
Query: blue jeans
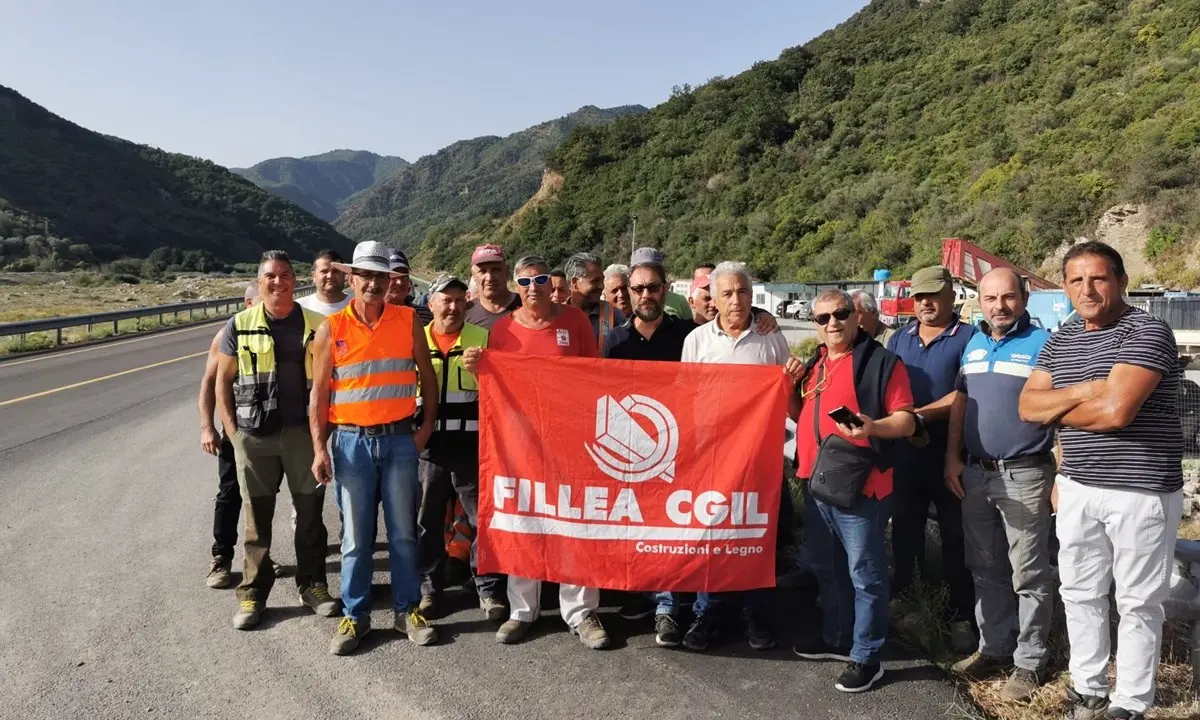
846, 552
367, 472
667, 602
754, 602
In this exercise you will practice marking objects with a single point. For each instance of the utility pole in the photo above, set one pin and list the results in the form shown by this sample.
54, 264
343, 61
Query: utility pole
633, 239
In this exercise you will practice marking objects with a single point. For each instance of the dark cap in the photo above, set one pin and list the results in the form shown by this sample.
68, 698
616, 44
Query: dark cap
398, 261
444, 282
931, 280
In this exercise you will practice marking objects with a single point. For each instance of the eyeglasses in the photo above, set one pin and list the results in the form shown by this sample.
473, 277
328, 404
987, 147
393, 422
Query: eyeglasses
651, 288
840, 314
373, 276
527, 281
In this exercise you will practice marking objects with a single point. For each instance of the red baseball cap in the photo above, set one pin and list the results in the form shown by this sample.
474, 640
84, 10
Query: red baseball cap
699, 280
487, 253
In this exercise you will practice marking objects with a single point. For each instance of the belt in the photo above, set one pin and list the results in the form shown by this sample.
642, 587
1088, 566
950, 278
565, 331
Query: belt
1025, 461
397, 427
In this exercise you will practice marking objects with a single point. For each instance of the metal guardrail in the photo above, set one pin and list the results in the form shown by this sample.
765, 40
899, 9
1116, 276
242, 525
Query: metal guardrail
222, 306
1181, 313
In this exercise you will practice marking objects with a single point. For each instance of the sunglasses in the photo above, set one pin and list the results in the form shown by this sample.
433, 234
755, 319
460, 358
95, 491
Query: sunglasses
527, 281
840, 314
651, 288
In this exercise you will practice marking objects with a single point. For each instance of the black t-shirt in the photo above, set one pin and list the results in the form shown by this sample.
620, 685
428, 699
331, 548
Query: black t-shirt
288, 335
626, 343
477, 315
1147, 454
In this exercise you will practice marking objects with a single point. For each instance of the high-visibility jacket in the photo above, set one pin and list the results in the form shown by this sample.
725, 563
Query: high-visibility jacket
374, 373
458, 392
256, 389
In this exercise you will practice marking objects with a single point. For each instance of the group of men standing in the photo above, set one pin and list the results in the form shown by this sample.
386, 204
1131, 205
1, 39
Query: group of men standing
383, 404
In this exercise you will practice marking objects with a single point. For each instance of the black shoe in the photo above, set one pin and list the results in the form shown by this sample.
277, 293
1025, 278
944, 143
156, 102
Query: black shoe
638, 607
859, 677
817, 649
758, 634
666, 631
1116, 713
702, 632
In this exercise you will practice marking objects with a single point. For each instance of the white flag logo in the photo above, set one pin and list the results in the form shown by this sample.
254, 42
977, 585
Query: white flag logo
623, 450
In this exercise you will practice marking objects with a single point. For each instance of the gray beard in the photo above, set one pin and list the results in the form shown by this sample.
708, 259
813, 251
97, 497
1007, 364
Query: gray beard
650, 316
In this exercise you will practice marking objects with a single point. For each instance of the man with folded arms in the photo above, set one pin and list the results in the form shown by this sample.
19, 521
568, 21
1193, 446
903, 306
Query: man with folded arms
847, 512
541, 327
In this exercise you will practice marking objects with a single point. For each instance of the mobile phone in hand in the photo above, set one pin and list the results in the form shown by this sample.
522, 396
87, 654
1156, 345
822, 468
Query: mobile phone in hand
844, 416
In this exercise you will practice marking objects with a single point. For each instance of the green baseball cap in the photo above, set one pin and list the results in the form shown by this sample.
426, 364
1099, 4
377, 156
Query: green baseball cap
930, 280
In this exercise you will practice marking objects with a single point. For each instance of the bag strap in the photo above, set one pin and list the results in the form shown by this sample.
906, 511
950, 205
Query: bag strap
817, 403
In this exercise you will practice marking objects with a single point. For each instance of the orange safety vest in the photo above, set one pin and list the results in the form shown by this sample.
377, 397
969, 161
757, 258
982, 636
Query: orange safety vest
374, 373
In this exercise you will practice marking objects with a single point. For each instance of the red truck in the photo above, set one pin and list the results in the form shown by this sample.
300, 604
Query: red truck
967, 263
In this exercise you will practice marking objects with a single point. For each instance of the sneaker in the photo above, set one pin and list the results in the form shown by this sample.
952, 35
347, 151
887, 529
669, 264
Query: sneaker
703, 631
513, 632
493, 609
427, 605
758, 634
817, 649
316, 597
416, 627
980, 667
591, 633
859, 677
1123, 714
666, 631
248, 615
349, 634
1020, 685
639, 607
218, 573
962, 637
1087, 707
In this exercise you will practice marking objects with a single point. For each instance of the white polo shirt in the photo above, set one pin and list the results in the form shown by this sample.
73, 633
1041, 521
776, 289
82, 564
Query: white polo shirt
710, 344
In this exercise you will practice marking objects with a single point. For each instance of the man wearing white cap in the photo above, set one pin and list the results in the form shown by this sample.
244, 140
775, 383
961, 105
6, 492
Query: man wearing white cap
368, 360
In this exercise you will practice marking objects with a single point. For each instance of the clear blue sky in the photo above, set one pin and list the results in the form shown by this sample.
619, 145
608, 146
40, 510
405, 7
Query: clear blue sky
238, 81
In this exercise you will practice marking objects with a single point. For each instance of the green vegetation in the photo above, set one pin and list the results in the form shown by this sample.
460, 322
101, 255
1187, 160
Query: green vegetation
321, 183
71, 198
1014, 123
464, 183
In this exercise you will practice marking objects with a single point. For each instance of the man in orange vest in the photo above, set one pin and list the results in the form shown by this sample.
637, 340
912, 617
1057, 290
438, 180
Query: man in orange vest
366, 362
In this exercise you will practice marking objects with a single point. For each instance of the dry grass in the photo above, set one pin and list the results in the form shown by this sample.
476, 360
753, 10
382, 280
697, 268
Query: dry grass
32, 296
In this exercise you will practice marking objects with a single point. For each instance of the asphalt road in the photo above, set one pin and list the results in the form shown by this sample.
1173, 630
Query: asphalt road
105, 517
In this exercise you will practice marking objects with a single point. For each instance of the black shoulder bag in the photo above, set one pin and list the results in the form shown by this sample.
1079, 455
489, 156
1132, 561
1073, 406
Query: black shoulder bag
841, 470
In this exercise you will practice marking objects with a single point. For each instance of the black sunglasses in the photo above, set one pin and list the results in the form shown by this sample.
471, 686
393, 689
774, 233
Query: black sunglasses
652, 288
527, 281
840, 314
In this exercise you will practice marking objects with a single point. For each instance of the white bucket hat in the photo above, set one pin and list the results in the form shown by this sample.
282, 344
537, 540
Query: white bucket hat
369, 256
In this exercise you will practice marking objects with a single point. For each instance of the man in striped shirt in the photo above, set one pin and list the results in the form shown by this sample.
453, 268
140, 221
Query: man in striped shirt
1110, 380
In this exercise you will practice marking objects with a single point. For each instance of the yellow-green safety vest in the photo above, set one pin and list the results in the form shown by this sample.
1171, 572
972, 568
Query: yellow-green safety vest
256, 388
458, 392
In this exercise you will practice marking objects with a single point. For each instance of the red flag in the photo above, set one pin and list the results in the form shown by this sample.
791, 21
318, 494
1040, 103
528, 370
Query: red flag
630, 475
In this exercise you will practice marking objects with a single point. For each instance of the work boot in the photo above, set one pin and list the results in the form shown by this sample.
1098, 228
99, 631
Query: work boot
513, 631
349, 634
1020, 685
1086, 707
248, 615
1116, 713
218, 573
416, 627
962, 637
427, 605
981, 667
316, 597
591, 633
493, 609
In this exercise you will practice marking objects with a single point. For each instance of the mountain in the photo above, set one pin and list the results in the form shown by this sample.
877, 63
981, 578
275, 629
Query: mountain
321, 183
1015, 123
103, 198
464, 182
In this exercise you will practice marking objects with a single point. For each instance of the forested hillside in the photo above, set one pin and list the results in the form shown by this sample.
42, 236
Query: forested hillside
1013, 122
71, 197
464, 182
321, 183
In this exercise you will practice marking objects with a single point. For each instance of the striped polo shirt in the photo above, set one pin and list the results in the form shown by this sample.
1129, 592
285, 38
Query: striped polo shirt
1147, 454
993, 374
